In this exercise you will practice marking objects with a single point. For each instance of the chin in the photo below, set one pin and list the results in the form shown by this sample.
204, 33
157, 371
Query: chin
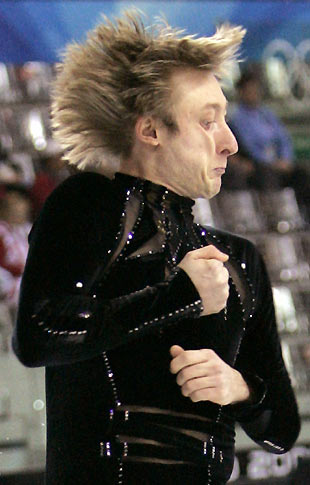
215, 188
216, 191
210, 190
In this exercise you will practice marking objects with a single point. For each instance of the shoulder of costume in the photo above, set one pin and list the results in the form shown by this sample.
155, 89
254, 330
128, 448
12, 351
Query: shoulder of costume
231, 243
81, 201
86, 189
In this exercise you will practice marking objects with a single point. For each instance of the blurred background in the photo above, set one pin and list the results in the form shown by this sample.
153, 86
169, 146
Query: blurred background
265, 195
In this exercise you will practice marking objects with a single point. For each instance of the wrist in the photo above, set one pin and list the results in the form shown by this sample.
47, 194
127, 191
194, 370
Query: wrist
243, 391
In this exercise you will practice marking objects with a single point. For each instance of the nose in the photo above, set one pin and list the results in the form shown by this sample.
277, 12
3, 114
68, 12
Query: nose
227, 144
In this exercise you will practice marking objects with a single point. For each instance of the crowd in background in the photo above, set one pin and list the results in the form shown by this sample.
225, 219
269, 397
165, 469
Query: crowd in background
25, 184
265, 161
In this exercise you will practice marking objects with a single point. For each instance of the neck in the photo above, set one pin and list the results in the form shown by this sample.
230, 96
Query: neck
146, 169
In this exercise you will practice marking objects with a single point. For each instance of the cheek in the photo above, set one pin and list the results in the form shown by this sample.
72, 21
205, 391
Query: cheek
202, 142
193, 145
191, 149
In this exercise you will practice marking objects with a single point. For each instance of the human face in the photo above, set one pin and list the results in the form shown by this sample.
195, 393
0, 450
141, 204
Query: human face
17, 208
193, 160
250, 94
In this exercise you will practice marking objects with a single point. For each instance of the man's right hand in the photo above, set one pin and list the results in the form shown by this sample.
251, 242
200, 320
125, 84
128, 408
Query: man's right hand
205, 267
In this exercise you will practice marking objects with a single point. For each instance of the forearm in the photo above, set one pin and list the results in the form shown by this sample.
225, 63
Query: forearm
270, 417
277, 424
59, 330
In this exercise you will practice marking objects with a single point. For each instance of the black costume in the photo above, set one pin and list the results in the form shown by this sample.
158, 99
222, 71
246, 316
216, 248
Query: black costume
103, 300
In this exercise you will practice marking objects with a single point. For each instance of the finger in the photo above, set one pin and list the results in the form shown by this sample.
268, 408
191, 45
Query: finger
175, 350
211, 394
204, 395
210, 252
195, 385
198, 370
190, 357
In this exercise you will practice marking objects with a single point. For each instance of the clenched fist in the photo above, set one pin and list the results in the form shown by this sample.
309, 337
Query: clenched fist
203, 376
205, 267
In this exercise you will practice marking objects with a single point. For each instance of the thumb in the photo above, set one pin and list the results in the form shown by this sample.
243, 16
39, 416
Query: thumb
210, 252
175, 350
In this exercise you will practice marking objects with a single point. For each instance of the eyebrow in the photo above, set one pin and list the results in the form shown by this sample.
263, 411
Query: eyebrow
216, 106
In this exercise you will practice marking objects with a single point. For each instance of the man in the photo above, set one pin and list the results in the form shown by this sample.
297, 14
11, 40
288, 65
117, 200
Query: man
265, 159
261, 133
15, 217
156, 334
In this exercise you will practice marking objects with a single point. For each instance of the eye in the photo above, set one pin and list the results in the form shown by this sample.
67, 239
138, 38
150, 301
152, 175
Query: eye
207, 123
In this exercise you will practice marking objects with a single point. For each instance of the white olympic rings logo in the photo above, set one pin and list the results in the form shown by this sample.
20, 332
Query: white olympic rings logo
288, 69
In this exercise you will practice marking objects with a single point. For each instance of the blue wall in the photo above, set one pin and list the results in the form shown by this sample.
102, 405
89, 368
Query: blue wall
37, 30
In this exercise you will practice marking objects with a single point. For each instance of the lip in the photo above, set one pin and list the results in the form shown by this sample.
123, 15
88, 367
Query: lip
220, 170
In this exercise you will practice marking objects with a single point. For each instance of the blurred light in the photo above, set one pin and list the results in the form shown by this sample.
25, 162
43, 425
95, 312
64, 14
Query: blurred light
38, 405
37, 130
285, 274
278, 77
285, 309
283, 227
40, 144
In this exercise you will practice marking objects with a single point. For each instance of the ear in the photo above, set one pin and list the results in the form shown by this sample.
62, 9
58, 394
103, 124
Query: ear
146, 130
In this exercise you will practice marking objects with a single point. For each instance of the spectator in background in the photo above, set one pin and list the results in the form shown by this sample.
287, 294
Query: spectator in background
263, 137
16, 168
50, 172
15, 223
265, 159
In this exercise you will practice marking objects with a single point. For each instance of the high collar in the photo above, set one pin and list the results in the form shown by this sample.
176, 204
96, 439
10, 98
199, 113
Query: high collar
156, 194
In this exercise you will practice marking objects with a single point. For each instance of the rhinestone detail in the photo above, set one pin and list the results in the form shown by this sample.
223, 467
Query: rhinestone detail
184, 310
110, 375
205, 235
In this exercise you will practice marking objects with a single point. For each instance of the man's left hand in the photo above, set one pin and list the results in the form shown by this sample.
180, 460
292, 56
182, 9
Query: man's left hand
204, 376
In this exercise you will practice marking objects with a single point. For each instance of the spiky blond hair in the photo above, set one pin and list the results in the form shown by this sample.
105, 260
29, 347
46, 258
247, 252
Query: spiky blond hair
121, 72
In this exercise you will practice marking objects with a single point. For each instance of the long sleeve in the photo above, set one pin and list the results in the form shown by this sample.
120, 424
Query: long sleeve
273, 420
61, 322
281, 136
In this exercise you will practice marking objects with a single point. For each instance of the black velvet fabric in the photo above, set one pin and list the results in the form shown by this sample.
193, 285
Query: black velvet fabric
103, 329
